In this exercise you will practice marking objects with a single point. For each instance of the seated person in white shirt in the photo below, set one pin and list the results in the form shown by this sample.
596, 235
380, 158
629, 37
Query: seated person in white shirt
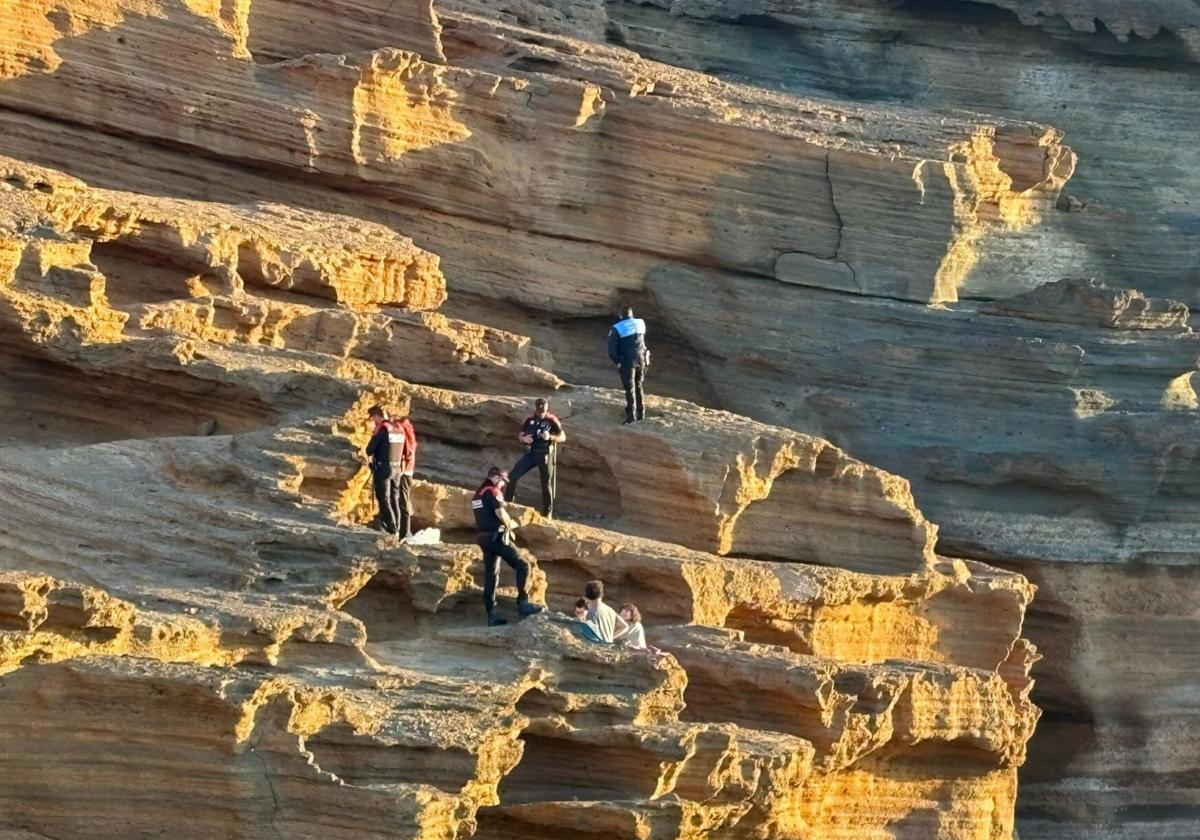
635, 635
601, 624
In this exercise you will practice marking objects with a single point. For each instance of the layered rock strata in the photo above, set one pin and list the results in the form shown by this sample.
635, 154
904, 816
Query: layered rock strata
182, 547
1117, 77
518, 129
785, 224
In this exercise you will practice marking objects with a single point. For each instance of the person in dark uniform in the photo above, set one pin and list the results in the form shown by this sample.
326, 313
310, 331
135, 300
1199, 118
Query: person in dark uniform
541, 433
386, 451
494, 533
627, 350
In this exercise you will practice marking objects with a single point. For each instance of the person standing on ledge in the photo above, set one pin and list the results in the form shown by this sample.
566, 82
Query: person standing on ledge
404, 427
494, 533
541, 433
389, 459
627, 350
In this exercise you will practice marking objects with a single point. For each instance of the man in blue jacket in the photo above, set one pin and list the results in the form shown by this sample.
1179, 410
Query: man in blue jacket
627, 350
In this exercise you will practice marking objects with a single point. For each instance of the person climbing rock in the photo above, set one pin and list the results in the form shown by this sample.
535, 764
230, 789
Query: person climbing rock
386, 453
627, 350
494, 530
541, 433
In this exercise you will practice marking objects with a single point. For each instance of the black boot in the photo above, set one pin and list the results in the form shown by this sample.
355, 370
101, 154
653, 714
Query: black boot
526, 608
495, 619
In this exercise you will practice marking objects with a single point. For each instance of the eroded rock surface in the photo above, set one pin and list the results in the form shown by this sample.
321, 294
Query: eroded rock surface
861, 233
183, 545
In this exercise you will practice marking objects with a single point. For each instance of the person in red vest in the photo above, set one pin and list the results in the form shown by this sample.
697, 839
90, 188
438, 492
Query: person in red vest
404, 426
392, 451
494, 530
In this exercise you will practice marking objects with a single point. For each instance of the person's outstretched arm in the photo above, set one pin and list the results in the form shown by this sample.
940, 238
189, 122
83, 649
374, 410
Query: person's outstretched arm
622, 627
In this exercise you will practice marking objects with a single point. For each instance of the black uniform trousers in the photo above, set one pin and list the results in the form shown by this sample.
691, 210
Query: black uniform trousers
632, 377
393, 492
546, 461
496, 548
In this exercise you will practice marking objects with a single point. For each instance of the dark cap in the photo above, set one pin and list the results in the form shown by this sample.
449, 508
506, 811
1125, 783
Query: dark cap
496, 472
377, 411
540, 403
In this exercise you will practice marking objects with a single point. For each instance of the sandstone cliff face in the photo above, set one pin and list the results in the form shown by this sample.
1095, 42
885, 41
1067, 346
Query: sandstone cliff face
872, 273
191, 604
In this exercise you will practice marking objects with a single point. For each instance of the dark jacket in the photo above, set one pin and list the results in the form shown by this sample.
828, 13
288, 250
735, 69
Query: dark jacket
487, 500
627, 342
393, 448
387, 449
533, 424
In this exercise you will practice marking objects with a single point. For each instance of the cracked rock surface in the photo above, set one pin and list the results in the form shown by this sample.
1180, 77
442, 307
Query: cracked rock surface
919, 278
192, 603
